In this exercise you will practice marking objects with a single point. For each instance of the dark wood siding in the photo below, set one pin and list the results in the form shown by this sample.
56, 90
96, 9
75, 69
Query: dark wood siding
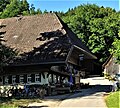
3, 79
10, 79
40, 77
17, 79
25, 78
0, 79
32, 77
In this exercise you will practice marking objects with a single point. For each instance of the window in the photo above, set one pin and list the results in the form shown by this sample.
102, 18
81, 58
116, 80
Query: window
54, 78
14, 79
58, 79
6, 79
21, 78
50, 78
29, 78
37, 77
81, 57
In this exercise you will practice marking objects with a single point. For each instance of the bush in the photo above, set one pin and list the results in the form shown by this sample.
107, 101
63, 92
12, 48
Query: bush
112, 100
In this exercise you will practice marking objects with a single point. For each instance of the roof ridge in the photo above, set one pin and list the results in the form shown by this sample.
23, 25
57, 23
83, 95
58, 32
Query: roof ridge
26, 16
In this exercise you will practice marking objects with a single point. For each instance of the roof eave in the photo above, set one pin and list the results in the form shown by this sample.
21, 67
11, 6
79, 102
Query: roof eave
41, 63
91, 55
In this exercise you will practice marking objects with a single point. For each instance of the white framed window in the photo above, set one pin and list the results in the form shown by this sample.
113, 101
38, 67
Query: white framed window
54, 78
6, 79
50, 78
58, 79
37, 77
14, 79
29, 78
21, 78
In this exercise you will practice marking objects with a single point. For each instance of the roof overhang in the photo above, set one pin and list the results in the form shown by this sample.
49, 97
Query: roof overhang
75, 52
41, 63
91, 56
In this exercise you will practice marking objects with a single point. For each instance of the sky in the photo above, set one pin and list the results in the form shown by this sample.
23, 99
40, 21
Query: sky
64, 5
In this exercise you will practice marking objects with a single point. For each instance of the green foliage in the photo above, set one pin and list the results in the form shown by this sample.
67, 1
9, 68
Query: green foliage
32, 10
38, 11
96, 26
17, 7
116, 49
3, 4
113, 100
17, 103
45, 11
59, 13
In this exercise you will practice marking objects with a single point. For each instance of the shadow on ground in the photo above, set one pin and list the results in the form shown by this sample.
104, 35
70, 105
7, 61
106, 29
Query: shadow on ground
42, 106
93, 90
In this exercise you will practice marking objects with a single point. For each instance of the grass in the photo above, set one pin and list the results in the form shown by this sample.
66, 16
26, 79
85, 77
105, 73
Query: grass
15, 103
113, 100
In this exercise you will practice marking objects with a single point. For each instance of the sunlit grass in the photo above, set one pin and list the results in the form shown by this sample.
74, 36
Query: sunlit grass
14, 103
113, 100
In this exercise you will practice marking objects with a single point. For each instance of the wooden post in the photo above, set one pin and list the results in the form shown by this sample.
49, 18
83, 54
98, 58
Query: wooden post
79, 79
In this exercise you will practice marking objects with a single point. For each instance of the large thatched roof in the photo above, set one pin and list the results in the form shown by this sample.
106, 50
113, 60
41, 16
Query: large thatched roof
39, 38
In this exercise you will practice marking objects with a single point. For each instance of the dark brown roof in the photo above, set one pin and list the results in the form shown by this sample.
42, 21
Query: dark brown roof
39, 38
22, 33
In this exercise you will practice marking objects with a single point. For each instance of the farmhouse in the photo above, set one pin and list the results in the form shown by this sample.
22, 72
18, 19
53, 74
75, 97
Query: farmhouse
49, 52
111, 67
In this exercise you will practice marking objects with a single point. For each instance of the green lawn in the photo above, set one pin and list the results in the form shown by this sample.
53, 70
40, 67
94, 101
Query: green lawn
113, 100
14, 103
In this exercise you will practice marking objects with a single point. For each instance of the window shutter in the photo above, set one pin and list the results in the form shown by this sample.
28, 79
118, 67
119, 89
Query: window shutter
32, 77
57, 78
17, 79
52, 77
0, 79
3, 79
40, 77
25, 78
10, 79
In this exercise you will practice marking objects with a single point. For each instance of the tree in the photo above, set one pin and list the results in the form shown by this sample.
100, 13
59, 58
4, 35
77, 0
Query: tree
38, 11
96, 26
32, 10
11, 9
45, 11
116, 49
24, 7
16, 7
3, 4
60, 14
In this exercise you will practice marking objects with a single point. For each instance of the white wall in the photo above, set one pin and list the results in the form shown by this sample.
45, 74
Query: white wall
44, 81
112, 68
